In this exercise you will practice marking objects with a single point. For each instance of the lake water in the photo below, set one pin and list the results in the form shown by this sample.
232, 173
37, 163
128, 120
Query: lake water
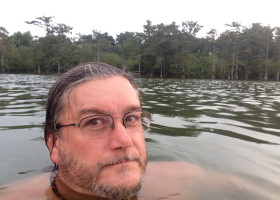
227, 127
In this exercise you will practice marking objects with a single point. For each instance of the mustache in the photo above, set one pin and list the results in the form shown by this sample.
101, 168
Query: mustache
121, 159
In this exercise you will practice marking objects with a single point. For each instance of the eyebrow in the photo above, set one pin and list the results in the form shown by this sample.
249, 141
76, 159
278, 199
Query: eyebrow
100, 111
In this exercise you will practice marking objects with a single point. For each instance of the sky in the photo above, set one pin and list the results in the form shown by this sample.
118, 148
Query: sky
118, 16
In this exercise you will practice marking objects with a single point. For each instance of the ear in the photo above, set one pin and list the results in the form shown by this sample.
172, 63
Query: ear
52, 143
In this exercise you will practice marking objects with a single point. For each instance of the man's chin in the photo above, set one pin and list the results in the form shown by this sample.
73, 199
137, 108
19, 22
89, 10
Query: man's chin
118, 192
126, 175
121, 181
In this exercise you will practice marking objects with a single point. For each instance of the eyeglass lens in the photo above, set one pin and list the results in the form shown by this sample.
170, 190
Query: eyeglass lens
97, 125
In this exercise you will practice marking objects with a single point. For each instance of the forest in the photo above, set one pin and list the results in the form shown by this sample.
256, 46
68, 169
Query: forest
161, 50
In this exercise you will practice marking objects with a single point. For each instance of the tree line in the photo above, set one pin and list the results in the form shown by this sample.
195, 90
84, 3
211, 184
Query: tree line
239, 53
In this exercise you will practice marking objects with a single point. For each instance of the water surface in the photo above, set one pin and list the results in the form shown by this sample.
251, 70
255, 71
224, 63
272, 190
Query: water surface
224, 127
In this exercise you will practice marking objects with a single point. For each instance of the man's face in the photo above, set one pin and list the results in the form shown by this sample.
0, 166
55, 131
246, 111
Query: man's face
115, 160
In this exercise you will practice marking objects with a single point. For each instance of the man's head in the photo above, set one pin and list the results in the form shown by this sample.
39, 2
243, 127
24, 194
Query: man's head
94, 132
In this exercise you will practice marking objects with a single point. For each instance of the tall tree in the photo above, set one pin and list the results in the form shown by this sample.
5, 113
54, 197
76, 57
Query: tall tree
277, 41
22, 39
192, 46
44, 22
21, 57
103, 42
259, 39
149, 58
61, 30
129, 47
3, 46
235, 29
191, 27
52, 46
211, 37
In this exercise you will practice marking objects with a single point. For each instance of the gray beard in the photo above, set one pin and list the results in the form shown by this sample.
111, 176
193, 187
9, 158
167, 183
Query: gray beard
86, 177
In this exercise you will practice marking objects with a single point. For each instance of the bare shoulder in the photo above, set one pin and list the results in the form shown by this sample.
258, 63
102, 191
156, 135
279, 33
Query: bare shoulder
170, 180
183, 180
30, 188
156, 168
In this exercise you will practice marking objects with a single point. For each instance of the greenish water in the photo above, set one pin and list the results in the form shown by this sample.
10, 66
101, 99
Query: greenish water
230, 127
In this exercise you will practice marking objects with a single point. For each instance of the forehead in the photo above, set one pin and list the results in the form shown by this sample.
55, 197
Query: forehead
114, 94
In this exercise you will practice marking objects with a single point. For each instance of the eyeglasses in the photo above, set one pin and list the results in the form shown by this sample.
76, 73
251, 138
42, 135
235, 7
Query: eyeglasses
95, 126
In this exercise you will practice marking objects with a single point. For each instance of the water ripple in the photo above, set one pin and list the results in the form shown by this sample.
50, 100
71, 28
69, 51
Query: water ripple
229, 127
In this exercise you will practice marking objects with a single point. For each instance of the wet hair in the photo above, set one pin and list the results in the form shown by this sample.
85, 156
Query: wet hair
71, 79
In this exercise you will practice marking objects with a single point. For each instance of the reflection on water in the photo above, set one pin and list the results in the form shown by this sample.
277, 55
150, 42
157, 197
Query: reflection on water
241, 109
230, 127
22, 148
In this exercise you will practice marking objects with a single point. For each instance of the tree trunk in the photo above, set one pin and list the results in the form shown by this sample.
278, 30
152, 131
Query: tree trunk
161, 73
260, 76
39, 69
245, 70
2, 64
124, 66
232, 71
233, 61
139, 66
213, 68
265, 78
152, 73
58, 66
222, 74
124, 63
202, 73
236, 70
183, 75
98, 56
278, 71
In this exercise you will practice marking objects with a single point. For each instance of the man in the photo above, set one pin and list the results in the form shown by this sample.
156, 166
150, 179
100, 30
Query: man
94, 131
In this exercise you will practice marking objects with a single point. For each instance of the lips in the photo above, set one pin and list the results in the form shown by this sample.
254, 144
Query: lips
122, 162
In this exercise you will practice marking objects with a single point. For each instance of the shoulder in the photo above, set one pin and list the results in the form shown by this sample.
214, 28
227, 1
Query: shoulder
171, 168
30, 188
173, 180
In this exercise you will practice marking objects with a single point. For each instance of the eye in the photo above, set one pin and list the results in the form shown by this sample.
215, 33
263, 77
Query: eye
132, 118
95, 122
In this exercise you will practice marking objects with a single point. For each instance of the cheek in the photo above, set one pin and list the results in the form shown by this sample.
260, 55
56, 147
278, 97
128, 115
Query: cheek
86, 151
139, 143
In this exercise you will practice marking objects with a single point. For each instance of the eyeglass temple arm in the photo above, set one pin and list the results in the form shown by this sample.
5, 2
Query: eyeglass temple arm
61, 126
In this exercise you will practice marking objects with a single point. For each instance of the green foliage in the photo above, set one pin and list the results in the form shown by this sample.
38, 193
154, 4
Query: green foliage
162, 50
21, 39
21, 59
112, 58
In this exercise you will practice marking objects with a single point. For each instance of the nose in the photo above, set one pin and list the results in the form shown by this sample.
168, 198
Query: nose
113, 121
119, 137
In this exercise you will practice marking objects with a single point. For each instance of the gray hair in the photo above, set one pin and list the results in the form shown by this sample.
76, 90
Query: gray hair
70, 80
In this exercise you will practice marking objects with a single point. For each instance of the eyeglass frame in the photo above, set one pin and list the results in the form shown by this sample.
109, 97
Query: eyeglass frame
146, 114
